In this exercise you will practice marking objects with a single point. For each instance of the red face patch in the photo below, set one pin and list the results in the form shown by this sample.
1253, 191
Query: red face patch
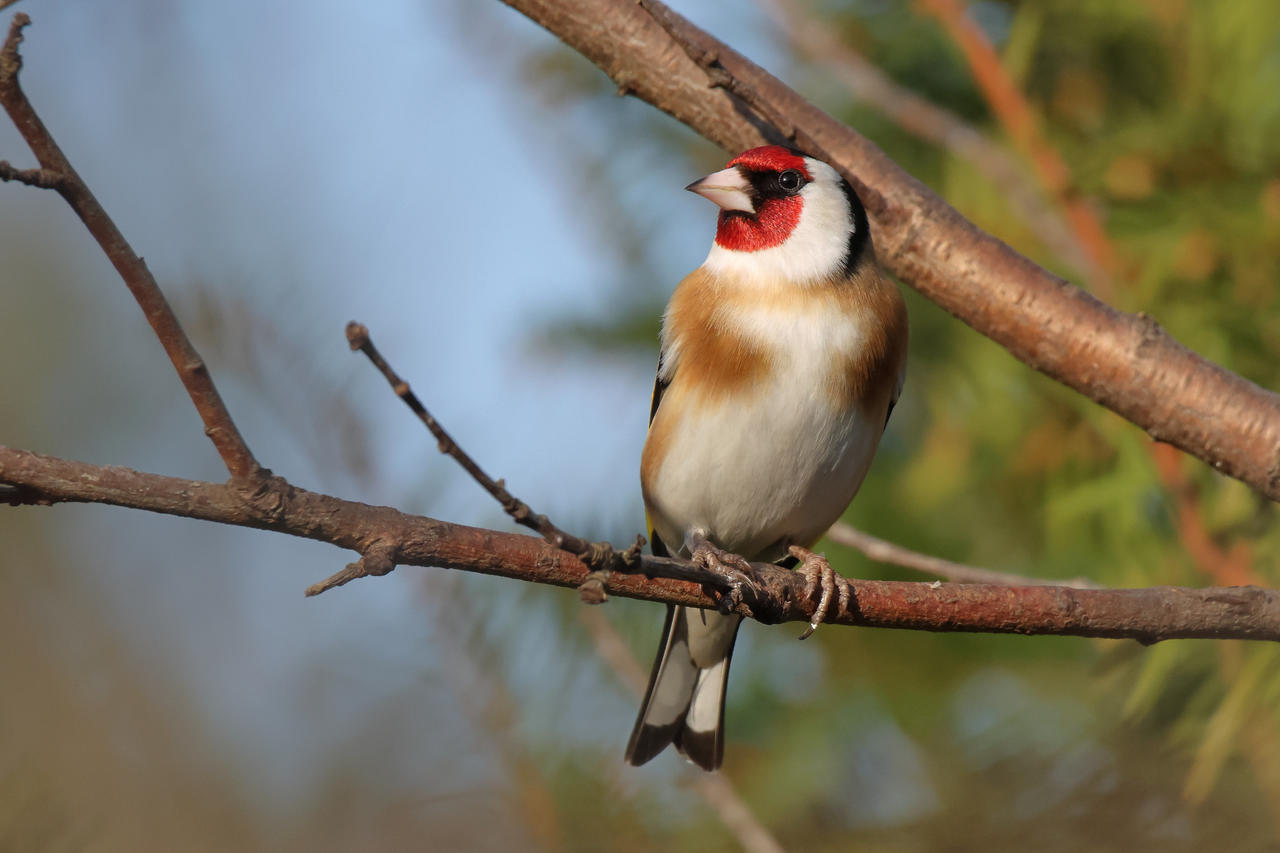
770, 227
773, 223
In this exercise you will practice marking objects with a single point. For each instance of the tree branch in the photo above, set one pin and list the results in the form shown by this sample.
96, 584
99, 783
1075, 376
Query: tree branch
1147, 615
887, 552
1124, 362
384, 536
56, 173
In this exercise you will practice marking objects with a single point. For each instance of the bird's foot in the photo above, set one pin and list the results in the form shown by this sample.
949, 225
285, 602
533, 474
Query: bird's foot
731, 567
821, 577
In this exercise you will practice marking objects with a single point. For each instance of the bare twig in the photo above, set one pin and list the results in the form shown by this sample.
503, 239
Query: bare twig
928, 121
377, 560
42, 178
1148, 615
888, 552
1127, 363
601, 556
57, 173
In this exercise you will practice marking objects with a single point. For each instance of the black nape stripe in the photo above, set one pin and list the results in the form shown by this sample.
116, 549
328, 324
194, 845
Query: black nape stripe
860, 236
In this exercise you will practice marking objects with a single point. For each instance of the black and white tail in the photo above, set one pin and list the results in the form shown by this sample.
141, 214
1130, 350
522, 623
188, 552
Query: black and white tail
684, 703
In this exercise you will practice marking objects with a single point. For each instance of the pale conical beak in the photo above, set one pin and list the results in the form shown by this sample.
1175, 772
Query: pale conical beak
727, 188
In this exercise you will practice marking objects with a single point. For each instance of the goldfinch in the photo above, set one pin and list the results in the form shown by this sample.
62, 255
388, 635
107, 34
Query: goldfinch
781, 359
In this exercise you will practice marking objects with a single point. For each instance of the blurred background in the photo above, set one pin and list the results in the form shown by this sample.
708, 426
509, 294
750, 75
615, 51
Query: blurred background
509, 228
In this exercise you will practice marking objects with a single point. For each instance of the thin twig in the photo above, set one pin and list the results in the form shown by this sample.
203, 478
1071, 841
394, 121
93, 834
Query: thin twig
377, 560
601, 556
42, 178
887, 552
56, 173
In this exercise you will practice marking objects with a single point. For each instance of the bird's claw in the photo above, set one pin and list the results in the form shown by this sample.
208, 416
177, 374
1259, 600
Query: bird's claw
732, 568
818, 572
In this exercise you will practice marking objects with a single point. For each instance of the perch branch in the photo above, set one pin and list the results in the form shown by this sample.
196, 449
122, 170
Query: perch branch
1148, 615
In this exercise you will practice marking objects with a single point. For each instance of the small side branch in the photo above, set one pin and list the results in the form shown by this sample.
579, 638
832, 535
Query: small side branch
887, 552
377, 561
601, 556
57, 173
45, 179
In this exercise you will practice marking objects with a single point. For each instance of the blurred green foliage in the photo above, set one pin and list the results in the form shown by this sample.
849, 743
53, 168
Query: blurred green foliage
1168, 117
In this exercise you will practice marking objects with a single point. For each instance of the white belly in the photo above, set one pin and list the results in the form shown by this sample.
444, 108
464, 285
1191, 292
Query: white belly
773, 465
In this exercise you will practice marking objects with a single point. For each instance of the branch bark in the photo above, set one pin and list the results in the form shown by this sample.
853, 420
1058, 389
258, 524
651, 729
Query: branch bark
1127, 363
1147, 615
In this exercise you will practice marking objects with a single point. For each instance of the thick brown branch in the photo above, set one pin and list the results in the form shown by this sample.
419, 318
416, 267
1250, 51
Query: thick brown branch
58, 174
1148, 615
1124, 362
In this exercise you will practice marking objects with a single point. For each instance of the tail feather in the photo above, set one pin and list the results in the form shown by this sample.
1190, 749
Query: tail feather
684, 703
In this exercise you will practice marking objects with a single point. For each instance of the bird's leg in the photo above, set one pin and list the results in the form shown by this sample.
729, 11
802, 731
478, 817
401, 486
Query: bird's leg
732, 567
818, 572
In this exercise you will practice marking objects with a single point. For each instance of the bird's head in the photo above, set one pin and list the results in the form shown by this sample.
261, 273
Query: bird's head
786, 215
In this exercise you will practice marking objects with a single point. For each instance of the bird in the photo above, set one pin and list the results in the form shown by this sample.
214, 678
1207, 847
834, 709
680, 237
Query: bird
781, 359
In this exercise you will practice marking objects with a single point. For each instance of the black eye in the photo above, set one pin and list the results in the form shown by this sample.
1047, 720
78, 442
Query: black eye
790, 180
